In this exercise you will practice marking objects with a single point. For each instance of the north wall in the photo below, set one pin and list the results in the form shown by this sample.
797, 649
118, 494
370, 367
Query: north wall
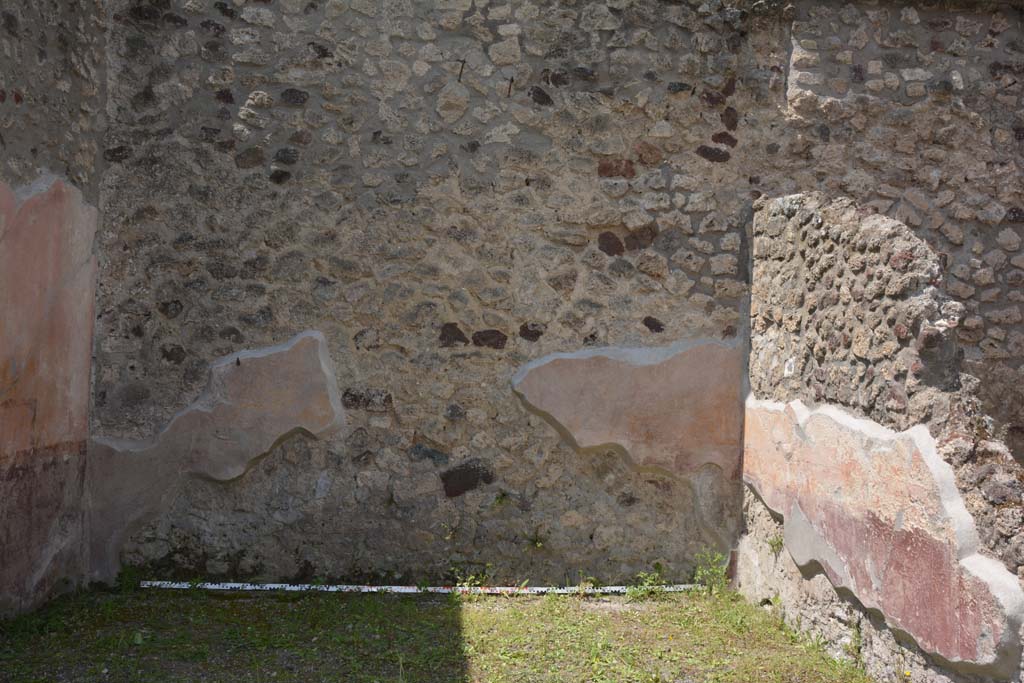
452, 194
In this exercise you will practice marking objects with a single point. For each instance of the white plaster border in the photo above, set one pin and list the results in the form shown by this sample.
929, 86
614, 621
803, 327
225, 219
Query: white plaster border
404, 590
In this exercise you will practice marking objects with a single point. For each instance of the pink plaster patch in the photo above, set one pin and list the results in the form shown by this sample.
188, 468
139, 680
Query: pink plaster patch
881, 514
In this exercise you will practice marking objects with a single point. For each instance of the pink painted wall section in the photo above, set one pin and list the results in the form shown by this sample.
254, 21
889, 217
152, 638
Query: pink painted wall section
47, 283
676, 409
881, 514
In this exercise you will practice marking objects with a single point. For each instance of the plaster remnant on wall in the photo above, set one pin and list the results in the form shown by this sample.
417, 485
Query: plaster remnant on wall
253, 400
675, 409
47, 281
880, 513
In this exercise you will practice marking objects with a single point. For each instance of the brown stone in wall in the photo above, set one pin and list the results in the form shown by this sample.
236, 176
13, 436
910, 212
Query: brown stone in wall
616, 168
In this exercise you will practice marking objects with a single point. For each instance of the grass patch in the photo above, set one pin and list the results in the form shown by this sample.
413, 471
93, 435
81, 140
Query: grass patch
195, 636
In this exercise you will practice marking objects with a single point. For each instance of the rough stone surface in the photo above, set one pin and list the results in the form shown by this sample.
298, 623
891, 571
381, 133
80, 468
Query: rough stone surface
676, 410
458, 164
846, 310
413, 177
879, 513
47, 284
253, 400
52, 91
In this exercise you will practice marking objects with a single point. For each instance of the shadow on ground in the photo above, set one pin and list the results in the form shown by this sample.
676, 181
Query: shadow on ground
195, 636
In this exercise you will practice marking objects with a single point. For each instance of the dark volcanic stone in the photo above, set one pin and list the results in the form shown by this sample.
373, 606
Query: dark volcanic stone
175, 20
452, 335
423, 452
584, 73
620, 267
653, 324
117, 154
494, 339
557, 78
249, 158
532, 331
294, 97
170, 309
225, 9
370, 400
713, 98
540, 96
609, 243
730, 118
280, 177
679, 86
287, 155
173, 354
669, 242
10, 24
641, 238
319, 50
466, 477
723, 138
232, 334
144, 13
713, 154
260, 318
213, 27
455, 412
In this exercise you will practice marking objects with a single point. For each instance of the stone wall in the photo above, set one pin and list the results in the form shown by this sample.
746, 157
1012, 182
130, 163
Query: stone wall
449, 191
459, 193
52, 88
921, 575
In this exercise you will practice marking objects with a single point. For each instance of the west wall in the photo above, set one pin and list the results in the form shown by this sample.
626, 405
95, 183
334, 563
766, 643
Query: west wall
51, 86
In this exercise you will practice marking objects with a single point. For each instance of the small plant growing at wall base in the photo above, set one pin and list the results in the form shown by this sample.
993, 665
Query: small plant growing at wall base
467, 579
855, 647
710, 573
648, 585
776, 543
586, 583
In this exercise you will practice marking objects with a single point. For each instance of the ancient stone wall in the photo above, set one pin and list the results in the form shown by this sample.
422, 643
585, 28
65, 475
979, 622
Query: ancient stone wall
460, 195
447, 192
921, 575
451, 190
51, 90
